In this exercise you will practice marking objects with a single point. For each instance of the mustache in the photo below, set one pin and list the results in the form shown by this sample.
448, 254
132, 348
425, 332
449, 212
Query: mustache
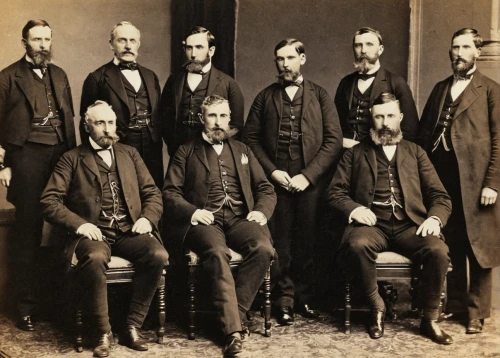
127, 52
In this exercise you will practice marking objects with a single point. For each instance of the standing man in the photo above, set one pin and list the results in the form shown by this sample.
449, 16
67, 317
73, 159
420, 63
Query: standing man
390, 192
357, 91
104, 196
134, 93
218, 197
36, 128
185, 91
460, 130
294, 132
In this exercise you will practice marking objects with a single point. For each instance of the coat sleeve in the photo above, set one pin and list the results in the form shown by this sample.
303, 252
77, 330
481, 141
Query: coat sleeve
409, 125
343, 109
90, 94
263, 190
168, 113
492, 177
4, 96
428, 121
237, 107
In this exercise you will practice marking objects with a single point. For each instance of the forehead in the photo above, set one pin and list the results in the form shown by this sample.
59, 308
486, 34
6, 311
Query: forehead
102, 113
127, 31
390, 107
466, 39
286, 51
221, 108
366, 37
40, 31
197, 39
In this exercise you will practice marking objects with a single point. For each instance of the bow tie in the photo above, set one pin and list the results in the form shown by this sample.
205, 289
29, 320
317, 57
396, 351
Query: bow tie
102, 149
132, 66
37, 67
463, 78
295, 83
200, 72
365, 76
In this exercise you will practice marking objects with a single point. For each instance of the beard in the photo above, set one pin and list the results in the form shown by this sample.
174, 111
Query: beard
288, 75
105, 140
41, 58
363, 63
218, 135
196, 66
461, 66
386, 135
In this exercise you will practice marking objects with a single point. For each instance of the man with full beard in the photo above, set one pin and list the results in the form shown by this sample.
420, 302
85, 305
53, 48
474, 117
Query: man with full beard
217, 197
185, 91
36, 128
134, 93
357, 91
459, 130
295, 134
104, 196
392, 196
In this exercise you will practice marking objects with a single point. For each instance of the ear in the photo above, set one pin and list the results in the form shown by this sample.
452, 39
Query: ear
23, 42
478, 53
201, 118
401, 118
86, 126
380, 49
302, 58
111, 45
211, 51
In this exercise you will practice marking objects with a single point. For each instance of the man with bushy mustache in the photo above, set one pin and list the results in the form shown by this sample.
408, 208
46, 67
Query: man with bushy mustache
103, 195
357, 91
295, 134
185, 91
460, 130
393, 199
36, 128
134, 93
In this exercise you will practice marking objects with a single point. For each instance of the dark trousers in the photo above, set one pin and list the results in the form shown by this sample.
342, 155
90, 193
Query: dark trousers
363, 243
232, 297
294, 227
150, 152
149, 258
478, 298
32, 166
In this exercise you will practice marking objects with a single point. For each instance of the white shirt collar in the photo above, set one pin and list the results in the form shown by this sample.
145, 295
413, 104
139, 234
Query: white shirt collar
116, 61
207, 67
29, 59
205, 137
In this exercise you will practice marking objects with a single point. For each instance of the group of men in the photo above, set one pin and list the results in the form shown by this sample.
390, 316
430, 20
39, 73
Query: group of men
221, 194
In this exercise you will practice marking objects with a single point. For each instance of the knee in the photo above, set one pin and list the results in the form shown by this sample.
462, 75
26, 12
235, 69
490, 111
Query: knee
438, 251
95, 259
358, 244
264, 250
159, 257
217, 256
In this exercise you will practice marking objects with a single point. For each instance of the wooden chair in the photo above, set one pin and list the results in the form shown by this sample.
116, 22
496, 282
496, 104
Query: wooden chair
122, 271
236, 260
392, 266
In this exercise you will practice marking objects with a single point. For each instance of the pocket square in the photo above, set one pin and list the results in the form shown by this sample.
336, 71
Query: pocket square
244, 159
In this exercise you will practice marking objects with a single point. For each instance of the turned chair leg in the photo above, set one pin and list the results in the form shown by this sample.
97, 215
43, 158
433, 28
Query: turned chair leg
191, 302
160, 298
79, 331
267, 303
347, 308
415, 272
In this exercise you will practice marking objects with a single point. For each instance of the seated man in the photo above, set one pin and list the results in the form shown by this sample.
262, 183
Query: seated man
394, 200
103, 193
217, 197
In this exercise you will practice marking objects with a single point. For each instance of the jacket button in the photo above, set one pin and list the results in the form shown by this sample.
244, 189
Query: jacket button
97, 200
370, 192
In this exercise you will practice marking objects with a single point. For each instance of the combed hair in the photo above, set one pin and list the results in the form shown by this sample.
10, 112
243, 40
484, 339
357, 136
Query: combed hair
368, 30
212, 100
478, 40
31, 24
201, 30
299, 46
385, 98
94, 105
122, 23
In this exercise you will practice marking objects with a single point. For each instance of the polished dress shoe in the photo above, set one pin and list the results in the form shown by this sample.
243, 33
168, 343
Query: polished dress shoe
245, 331
475, 326
431, 329
284, 316
234, 345
25, 324
104, 345
376, 328
132, 339
306, 311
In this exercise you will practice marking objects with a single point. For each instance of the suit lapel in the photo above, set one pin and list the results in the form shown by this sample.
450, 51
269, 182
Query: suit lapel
444, 93
199, 149
277, 99
471, 92
350, 94
308, 96
378, 85
372, 159
401, 153
87, 155
238, 155
213, 81
24, 79
122, 163
178, 87
58, 83
113, 78
149, 84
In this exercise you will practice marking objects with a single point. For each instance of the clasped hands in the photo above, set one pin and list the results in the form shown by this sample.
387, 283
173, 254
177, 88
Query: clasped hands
206, 217
296, 184
92, 232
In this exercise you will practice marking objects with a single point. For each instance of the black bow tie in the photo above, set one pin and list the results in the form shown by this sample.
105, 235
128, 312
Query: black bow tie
463, 78
132, 66
102, 149
37, 67
365, 76
286, 84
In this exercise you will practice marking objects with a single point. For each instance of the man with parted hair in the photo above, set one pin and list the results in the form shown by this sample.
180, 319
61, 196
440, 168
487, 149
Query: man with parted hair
392, 196
460, 130
103, 195
134, 93
357, 91
36, 128
185, 91
295, 134
217, 197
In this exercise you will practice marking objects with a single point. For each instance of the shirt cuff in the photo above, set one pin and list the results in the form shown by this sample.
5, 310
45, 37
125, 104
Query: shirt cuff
438, 219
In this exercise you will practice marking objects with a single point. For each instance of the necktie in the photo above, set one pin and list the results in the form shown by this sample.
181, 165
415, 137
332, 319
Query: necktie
365, 76
105, 155
132, 66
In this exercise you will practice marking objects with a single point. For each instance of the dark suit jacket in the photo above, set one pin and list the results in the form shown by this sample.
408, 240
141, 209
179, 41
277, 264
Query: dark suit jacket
384, 82
73, 194
106, 84
321, 133
186, 185
17, 104
353, 184
475, 134
219, 84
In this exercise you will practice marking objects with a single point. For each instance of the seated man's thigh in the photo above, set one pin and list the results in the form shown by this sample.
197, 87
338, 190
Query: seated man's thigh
143, 247
359, 237
409, 243
203, 239
98, 251
246, 234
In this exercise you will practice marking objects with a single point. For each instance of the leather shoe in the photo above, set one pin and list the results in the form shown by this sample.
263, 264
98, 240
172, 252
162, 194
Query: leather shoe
25, 324
104, 345
234, 346
306, 311
132, 339
475, 326
431, 329
376, 328
245, 331
284, 316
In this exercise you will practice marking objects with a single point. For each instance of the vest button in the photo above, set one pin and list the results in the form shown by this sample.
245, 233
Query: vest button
97, 200
370, 192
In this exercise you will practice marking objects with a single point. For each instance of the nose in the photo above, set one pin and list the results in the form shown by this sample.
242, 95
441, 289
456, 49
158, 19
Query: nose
194, 53
44, 44
460, 51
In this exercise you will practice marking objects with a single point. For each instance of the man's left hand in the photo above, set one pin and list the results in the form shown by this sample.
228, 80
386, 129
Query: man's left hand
142, 226
258, 217
431, 226
488, 196
298, 183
